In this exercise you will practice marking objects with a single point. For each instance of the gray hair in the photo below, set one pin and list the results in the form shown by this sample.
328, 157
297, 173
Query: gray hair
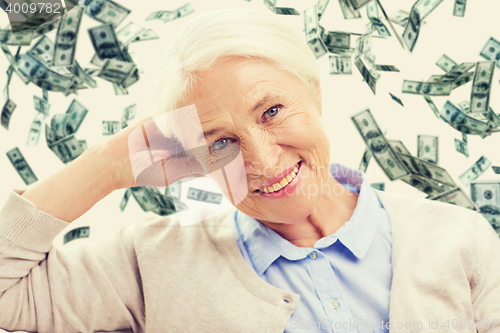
230, 32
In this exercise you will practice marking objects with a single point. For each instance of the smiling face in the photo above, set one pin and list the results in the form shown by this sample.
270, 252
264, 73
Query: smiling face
275, 121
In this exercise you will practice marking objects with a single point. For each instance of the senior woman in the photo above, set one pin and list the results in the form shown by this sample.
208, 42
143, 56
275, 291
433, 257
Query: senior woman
343, 258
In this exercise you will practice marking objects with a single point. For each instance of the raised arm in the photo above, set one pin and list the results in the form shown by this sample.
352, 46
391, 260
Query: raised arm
81, 289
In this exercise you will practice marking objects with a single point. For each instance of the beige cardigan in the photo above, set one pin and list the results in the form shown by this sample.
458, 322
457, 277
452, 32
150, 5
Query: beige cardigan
156, 276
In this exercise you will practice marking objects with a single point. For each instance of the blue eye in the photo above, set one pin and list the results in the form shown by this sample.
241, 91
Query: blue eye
272, 111
219, 144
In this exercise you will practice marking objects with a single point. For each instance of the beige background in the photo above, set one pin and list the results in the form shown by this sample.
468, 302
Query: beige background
460, 38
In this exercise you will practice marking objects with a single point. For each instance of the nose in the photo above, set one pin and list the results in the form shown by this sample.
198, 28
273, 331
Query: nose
261, 154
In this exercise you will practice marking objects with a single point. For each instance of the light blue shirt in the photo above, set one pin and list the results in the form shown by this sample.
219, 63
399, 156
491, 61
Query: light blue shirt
344, 280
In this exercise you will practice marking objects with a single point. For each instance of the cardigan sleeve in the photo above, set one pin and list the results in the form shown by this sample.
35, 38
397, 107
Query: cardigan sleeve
79, 289
485, 283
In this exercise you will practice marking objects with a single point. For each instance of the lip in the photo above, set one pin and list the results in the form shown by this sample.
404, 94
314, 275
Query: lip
289, 189
274, 180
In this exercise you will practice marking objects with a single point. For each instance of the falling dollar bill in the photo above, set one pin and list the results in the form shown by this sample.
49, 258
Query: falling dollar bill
128, 33
119, 90
125, 198
83, 145
287, 11
425, 169
321, 4
481, 86
82, 232
357, 4
456, 72
66, 149
348, 11
41, 105
461, 121
491, 51
493, 117
116, 71
340, 65
456, 196
463, 79
386, 68
496, 169
459, 8
427, 88
21, 38
105, 11
83, 75
486, 196
445, 63
110, 127
167, 16
147, 34
475, 170
400, 17
21, 166
370, 76
50, 135
174, 190
365, 160
35, 130
336, 41
76, 113
378, 145
364, 43
13, 62
165, 204
419, 11
428, 186
128, 114
67, 34
135, 59
58, 124
397, 99
205, 196
370, 58
432, 105
43, 50
373, 16
461, 147
378, 186
428, 148
41, 75
398, 147
312, 31
162, 15
132, 78
105, 42
7, 111
143, 198
10, 70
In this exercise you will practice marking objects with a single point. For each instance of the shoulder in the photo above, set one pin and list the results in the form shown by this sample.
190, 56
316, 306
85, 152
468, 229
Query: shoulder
405, 209
428, 221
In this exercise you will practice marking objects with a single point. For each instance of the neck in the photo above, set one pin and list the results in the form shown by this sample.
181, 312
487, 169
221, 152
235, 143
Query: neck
329, 214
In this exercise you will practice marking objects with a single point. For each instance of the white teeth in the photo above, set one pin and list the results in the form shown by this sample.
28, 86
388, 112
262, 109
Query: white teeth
282, 183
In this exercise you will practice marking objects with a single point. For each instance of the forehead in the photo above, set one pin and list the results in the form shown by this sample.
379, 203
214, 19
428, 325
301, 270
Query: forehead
236, 84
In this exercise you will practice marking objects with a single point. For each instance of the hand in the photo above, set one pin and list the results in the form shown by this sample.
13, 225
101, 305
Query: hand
142, 156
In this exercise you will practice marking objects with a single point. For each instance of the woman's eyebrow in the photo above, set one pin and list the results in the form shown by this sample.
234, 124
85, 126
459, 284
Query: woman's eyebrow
262, 101
259, 104
209, 133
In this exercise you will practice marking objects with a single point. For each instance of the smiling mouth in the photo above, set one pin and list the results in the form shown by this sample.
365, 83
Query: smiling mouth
282, 183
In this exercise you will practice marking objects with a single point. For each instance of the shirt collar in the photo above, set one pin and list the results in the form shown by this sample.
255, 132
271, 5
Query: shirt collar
264, 245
